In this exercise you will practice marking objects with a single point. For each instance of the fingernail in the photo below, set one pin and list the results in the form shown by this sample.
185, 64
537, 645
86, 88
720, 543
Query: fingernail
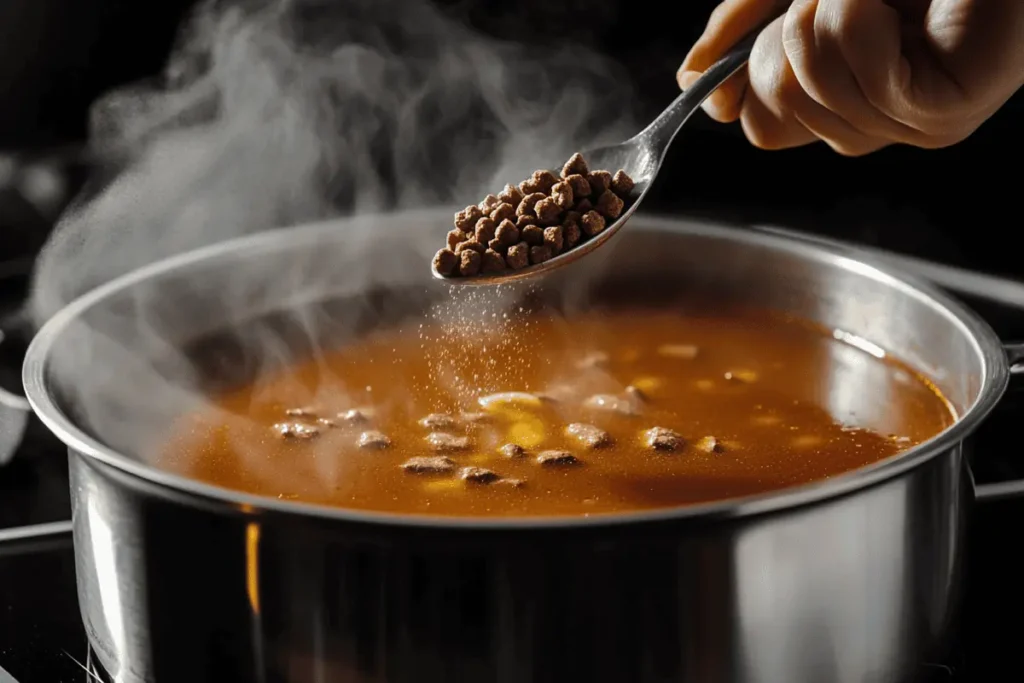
713, 104
686, 78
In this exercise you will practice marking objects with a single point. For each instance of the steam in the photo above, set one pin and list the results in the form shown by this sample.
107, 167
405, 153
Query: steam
275, 113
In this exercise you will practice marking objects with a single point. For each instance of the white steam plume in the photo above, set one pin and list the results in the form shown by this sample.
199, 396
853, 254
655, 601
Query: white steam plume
275, 113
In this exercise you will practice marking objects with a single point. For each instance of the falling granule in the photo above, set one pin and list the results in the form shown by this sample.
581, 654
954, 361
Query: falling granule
474, 345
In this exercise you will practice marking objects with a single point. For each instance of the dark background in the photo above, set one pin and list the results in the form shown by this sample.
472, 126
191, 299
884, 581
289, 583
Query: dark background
56, 56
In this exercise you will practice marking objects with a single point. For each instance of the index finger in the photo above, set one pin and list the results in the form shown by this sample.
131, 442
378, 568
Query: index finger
727, 25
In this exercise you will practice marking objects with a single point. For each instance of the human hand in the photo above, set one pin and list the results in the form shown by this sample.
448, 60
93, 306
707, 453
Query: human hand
863, 74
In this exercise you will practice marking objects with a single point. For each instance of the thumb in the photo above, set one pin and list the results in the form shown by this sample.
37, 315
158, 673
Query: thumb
728, 23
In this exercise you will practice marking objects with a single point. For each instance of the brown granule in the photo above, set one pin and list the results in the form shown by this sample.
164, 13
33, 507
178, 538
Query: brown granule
572, 234
502, 212
507, 233
470, 244
489, 203
592, 223
493, 262
532, 235
455, 237
429, 465
662, 439
534, 221
446, 262
609, 204
622, 184
556, 458
576, 165
478, 475
554, 239
548, 212
562, 195
511, 195
373, 439
599, 182
539, 254
540, 181
467, 218
578, 184
484, 231
469, 262
518, 256
526, 207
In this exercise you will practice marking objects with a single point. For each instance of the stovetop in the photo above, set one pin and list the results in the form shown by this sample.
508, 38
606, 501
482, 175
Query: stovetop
41, 634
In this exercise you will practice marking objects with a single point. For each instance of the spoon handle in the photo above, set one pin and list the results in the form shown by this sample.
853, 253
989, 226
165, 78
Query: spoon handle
660, 133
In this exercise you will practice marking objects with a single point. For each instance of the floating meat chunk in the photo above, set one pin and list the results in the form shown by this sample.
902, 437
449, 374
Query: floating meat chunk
512, 450
475, 418
662, 439
307, 411
681, 351
296, 430
709, 444
373, 439
610, 403
448, 443
593, 359
513, 483
636, 393
438, 422
589, 435
478, 475
741, 376
429, 465
520, 398
557, 459
356, 416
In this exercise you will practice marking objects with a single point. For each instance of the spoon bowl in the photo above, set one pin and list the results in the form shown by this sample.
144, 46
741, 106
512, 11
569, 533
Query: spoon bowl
640, 157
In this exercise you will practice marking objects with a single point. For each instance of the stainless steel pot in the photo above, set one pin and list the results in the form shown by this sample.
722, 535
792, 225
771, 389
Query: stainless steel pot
853, 579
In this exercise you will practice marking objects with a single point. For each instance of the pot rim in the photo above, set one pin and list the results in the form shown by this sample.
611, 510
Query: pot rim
995, 376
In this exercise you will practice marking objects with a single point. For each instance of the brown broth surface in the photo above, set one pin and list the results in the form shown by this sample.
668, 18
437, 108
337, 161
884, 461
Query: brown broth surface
786, 404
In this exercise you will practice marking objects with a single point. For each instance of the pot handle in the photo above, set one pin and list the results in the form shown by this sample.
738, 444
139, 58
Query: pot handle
1014, 488
14, 414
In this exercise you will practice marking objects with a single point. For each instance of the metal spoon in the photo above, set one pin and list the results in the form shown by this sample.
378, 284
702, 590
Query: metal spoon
641, 157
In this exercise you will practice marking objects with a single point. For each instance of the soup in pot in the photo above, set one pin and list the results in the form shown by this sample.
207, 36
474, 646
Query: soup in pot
613, 411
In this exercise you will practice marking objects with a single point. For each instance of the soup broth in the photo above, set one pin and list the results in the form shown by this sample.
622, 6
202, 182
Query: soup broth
606, 412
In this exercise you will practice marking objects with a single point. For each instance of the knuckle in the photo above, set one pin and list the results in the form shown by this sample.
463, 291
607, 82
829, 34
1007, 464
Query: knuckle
760, 131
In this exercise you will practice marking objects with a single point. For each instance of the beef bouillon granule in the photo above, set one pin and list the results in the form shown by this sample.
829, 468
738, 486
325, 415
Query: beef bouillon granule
603, 412
534, 221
